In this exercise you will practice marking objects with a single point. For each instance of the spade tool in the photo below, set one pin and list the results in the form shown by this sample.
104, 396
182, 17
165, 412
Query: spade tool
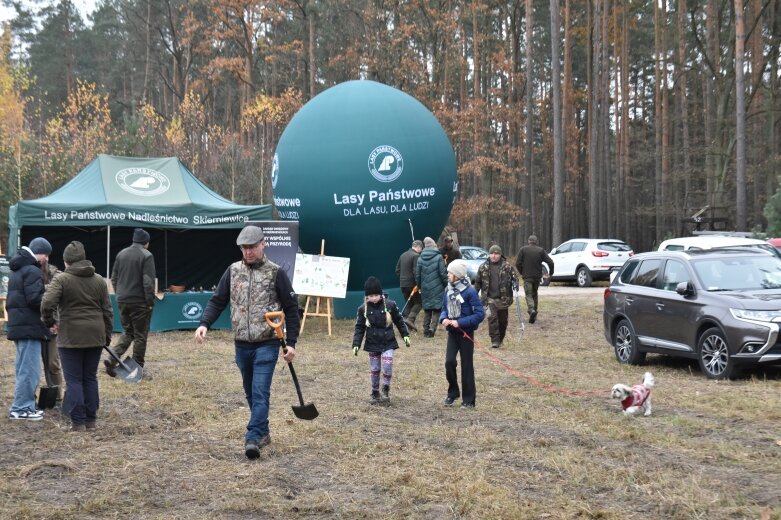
308, 411
129, 370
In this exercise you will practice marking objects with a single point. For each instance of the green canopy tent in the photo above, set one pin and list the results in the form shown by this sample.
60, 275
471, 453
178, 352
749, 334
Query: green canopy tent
193, 230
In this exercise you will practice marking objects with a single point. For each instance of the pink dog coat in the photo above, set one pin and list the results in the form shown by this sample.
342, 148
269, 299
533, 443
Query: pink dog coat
639, 395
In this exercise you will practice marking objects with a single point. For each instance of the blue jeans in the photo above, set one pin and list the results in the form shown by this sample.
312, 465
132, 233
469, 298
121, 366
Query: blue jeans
80, 366
28, 374
256, 365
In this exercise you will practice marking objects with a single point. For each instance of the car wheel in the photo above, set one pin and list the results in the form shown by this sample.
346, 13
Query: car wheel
583, 277
545, 281
713, 355
625, 344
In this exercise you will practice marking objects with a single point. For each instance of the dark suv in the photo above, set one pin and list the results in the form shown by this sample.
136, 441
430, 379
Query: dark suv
721, 307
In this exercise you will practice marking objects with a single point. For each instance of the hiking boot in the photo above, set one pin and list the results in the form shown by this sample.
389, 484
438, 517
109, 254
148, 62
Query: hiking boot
91, 425
449, 401
110, 368
251, 449
532, 316
375, 398
385, 396
494, 345
26, 415
78, 428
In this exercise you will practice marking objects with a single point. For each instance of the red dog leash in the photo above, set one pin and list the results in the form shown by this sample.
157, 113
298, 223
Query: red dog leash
516, 373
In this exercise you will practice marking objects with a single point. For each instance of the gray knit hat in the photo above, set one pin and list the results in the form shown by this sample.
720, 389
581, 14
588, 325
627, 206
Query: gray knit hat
74, 252
140, 236
429, 242
458, 268
40, 246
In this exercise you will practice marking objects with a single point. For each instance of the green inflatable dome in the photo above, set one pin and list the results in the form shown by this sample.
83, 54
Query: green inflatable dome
361, 166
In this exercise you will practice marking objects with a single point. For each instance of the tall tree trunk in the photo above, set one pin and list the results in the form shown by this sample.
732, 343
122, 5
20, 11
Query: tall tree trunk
569, 143
740, 118
626, 228
594, 118
668, 196
528, 161
148, 50
684, 108
67, 47
312, 45
658, 180
558, 155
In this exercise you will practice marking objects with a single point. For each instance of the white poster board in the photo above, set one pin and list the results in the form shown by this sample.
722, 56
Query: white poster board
317, 275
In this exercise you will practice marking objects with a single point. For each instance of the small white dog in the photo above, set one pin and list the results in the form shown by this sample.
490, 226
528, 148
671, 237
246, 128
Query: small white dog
636, 397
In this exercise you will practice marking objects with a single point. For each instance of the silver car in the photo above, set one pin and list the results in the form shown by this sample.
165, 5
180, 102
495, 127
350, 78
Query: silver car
721, 307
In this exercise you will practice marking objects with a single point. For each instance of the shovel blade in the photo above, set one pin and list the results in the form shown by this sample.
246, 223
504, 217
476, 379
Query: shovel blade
130, 371
306, 412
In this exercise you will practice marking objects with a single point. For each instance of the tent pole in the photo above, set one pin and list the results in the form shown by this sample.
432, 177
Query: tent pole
165, 236
108, 251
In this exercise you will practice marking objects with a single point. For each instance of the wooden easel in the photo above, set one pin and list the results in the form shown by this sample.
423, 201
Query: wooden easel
326, 300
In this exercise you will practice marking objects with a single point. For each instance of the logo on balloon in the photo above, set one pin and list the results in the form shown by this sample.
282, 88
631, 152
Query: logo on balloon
385, 163
275, 171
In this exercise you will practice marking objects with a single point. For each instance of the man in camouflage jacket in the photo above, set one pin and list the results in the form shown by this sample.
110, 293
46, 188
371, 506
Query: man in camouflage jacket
494, 284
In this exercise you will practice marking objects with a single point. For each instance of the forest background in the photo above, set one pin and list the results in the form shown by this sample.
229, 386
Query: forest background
649, 113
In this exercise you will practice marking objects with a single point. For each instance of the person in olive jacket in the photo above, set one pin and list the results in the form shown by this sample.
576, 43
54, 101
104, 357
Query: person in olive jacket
374, 322
25, 328
431, 277
84, 328
529, 264
494, 283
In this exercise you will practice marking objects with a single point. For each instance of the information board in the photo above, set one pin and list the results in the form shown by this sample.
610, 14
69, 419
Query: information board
317, 275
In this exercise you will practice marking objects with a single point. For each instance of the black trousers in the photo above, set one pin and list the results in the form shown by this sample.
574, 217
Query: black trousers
456, 342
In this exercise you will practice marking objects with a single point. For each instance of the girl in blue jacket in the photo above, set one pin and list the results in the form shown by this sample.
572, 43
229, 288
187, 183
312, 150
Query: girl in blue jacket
462, 312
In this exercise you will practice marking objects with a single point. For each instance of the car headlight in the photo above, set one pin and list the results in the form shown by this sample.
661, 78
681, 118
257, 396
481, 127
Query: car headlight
756, 315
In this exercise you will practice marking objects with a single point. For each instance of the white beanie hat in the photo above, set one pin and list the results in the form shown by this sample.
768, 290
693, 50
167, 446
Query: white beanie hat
458, 268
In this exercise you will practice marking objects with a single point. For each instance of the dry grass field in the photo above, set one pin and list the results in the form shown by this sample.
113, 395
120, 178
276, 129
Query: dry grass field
172, 446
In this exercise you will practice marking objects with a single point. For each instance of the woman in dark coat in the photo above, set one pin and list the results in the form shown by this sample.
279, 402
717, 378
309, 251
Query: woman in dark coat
85, 325
431, 277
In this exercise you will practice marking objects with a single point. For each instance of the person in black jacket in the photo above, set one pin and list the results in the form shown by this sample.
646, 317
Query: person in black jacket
375, 321
25, 328
133, 278
405, 270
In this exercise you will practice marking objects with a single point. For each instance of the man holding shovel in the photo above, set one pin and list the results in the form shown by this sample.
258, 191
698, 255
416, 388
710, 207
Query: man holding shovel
254, 286
405, 270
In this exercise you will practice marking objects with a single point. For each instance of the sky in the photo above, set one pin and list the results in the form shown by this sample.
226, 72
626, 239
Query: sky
85, 7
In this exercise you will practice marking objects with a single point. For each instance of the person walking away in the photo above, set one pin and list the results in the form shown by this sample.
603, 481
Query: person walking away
133, 278
494, 283
462, 313
25, 328
529, 264
431, 279
253, 286
405, 270
374, 322
84, 327
449, 251
52, 368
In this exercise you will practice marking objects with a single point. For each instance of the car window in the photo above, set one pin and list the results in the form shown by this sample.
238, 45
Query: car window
647, 273
563, 248
674, 273
577, 246
613, 246
476, 254
739, 273
629, 270
673, 247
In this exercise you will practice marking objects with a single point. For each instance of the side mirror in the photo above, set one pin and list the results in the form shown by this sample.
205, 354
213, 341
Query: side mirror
684, 288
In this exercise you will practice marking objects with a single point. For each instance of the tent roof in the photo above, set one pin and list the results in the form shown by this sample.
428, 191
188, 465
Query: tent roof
125, 191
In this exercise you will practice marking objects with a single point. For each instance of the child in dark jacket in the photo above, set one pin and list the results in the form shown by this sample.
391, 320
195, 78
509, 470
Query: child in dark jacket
462, 312
375, 321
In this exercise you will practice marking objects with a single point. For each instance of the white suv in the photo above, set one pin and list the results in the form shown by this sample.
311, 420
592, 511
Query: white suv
715, 242
587, 259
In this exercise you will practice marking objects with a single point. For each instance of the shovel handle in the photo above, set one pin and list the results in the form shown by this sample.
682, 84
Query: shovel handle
271, 319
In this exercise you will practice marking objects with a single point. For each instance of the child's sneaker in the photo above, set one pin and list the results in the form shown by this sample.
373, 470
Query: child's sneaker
26, 415
375, 398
